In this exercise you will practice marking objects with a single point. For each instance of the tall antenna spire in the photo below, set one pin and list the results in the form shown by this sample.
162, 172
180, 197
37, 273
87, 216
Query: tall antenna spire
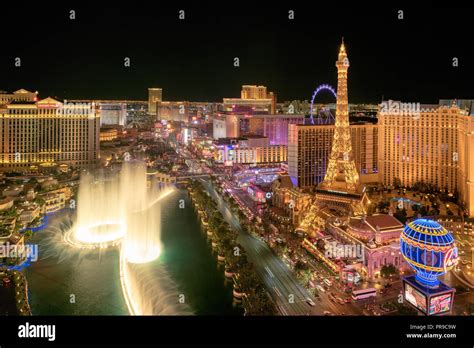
342, 49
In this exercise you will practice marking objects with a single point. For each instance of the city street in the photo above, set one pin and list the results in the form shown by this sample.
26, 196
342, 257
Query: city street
284, 288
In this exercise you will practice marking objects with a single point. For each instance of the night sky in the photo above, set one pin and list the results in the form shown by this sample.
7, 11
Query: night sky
192, 59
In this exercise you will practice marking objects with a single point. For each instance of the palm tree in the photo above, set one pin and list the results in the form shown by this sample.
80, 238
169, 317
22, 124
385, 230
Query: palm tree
221, 231
241, 216
247, 278
215, 221
224, 244
231, 260
265, 305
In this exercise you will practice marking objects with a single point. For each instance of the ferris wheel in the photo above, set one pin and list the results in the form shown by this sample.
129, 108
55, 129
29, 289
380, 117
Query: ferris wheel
324, 115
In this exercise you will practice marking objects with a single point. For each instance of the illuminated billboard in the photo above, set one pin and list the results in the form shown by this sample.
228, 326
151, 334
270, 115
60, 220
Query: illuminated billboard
415, 297
440, 304
430, 301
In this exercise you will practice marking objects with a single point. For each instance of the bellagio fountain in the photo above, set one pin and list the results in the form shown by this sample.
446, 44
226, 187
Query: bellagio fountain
123, 210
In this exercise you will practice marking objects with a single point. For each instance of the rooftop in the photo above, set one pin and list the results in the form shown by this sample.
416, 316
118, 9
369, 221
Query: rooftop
285, 181
252, 136
383, 222
15, 238
22, 102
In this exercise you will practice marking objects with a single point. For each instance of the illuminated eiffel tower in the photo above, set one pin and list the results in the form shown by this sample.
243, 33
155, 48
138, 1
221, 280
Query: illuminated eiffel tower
341, 173
340, 194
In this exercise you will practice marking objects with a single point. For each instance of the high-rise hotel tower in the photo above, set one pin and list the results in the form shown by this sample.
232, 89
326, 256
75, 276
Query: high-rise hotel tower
430, 144
46, 132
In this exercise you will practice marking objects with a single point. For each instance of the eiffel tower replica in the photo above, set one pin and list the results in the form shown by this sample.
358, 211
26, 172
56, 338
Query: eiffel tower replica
340, 193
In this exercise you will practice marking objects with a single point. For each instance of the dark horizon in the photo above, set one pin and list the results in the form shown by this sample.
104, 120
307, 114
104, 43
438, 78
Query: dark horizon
192, 59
